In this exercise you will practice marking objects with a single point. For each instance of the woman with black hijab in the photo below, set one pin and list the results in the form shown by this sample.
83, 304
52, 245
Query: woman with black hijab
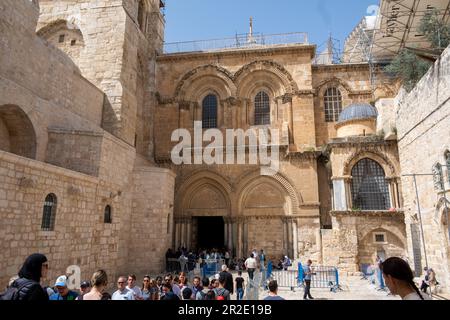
28, 287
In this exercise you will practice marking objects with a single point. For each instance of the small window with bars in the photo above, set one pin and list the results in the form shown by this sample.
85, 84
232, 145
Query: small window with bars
49, 213
108, 215
62, 38
379, 238
370, 190
209, 112
262, 109
333, 104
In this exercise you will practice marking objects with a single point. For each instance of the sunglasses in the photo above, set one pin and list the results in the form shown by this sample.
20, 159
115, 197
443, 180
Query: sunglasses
120, 282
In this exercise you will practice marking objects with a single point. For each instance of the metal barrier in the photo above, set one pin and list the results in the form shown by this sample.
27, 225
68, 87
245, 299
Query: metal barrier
211, 267
322, 277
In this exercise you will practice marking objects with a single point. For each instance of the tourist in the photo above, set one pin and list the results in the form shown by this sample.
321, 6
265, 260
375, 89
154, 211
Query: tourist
240, 287
273, 292
221, 292
201, 294
132, 286
182, 281
63, 293
250, 265
85, 287
196, 286
399, 279
154, 290
187, 294
167, 292
159, 283
307, 269
228, 279
262, 260
146, 294
27, 287
286, 263
176, 286
432, 281
123, 292
227, 258
99, 282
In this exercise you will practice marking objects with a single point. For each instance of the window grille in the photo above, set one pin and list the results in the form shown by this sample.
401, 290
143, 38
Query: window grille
209, 112
262, 109
370, 190
49, 213
333, 104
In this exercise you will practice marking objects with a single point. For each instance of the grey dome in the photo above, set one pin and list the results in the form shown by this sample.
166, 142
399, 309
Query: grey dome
358, 111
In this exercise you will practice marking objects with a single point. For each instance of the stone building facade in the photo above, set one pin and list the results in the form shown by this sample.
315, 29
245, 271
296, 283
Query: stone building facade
88, 104
423, 123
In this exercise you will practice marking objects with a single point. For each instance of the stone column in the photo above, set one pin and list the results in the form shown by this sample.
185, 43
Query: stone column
239, 237
245, 237
230, 236
225, 232
285, 237
295, 238
290, 238
189, 231
183, 232
177, 234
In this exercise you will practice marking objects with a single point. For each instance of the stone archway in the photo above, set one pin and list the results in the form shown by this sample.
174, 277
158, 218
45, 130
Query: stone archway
17, 134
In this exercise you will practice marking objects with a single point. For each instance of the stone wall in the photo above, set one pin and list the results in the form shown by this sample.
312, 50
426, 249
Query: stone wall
422, 120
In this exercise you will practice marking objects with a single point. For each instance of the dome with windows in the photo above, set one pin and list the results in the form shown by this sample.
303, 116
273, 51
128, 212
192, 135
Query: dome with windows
358, 119
358, 111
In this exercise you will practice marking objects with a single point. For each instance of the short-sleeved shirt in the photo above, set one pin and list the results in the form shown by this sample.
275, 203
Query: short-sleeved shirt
239, 282
415, 296
126, 294
307, 269
251, 263
146, 294
69, 297
273, 298
137, 291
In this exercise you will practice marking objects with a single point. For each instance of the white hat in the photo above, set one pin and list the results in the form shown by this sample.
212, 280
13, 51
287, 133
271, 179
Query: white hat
61, 281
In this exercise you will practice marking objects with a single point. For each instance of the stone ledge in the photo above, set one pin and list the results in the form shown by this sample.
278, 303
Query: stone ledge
381, 213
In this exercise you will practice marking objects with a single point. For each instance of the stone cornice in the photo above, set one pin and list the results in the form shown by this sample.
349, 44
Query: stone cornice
367, 141
399, 214
273, 50
340, 67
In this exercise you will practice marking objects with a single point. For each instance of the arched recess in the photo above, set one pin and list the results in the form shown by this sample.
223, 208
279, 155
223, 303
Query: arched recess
277, 184
66, 36
17, 134
368, 248
390, 168
267, 74
202, 78
342, 85
203, 194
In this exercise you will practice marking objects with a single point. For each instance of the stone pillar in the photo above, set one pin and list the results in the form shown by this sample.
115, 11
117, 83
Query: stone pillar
188, 233
230, 236
239, 237
177, 234
225, 231
183, 232
245, 237
295, 238
285, 237
290, 238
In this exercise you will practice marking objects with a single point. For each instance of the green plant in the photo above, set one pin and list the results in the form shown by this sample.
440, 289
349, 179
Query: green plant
435, 29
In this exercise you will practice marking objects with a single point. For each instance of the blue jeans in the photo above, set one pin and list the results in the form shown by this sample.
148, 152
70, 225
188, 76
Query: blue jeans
240, 294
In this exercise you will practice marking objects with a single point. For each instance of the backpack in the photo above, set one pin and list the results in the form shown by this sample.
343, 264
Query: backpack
12, 293
210, 295
220, 294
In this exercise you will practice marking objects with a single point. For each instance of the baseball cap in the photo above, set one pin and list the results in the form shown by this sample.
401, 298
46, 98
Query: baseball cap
61, 281
85, 284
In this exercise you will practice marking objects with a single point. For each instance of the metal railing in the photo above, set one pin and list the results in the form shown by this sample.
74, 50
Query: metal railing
242, 41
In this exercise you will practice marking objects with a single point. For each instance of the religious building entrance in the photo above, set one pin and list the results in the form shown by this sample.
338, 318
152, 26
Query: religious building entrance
209, 233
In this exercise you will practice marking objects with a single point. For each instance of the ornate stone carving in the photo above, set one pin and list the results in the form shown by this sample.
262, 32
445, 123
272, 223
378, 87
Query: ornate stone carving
438, 177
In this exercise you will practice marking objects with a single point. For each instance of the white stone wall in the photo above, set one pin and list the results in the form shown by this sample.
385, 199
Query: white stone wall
423, 122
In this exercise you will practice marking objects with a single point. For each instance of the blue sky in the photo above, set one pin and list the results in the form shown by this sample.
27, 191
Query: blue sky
210, 19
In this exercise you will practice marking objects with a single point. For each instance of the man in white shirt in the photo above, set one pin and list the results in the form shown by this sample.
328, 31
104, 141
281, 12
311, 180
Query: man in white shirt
135, 289
122, 293
250, 265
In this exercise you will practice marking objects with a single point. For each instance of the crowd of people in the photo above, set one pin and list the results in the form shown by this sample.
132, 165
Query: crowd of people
26, 285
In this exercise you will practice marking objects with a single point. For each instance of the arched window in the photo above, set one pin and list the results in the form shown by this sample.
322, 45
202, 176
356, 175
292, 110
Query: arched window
370, 190
262, 109
142, 15
107, 216
49, 213
333, 104
209, 112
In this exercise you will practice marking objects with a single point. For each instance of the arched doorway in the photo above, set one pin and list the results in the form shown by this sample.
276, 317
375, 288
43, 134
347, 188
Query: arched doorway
17, 133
